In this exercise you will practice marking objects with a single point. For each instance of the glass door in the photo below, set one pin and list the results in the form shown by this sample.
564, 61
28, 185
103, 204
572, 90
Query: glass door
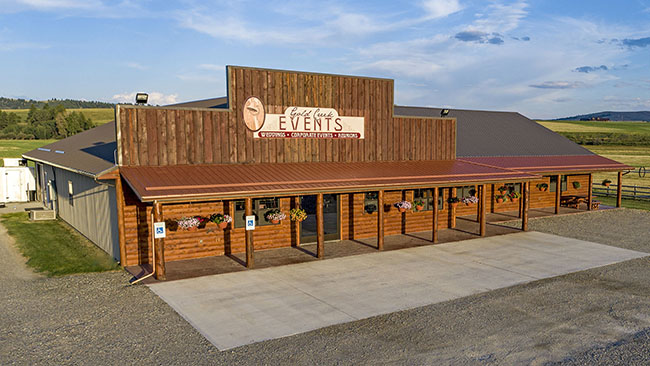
330, 218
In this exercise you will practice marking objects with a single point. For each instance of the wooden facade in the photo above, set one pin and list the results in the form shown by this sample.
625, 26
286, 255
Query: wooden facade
156, 136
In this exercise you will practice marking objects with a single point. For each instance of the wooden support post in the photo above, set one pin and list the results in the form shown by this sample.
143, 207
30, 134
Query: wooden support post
482, 215
452, 209
119, 196
380, 220
320, 231
619, 187
525, 198
558, 192
434, 228
160, 243
478, 205
590, 192
521, 205
250, 260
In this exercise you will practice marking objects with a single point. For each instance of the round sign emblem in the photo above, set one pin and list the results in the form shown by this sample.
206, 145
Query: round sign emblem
254, 114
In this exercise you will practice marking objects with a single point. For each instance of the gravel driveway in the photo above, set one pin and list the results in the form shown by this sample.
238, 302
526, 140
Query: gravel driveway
595, 316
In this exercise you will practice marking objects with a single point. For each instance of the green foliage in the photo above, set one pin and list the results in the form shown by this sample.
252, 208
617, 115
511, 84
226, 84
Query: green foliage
49, 122
607, 138
11, 103
53, 248
16, 148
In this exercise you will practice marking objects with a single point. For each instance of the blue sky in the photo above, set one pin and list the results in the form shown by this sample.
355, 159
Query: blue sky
545, 59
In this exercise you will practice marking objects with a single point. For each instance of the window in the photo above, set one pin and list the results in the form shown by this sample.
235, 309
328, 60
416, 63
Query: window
70, 193
260, 207
465, 191
370, 202
513, 187
552, 183
563, 183
426, 196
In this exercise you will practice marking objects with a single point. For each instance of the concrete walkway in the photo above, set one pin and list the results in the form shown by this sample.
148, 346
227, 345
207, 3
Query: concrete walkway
240, 308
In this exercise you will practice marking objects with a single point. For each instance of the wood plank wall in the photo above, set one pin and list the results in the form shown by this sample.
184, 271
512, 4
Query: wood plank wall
354, 222
170, 136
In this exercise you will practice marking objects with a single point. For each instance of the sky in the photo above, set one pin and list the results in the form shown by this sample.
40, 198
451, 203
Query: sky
542, 58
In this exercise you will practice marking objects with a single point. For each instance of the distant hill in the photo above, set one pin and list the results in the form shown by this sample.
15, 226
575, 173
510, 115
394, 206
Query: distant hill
610, 116
11, 103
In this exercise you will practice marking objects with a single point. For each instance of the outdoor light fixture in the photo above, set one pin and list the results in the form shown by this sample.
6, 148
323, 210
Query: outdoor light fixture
141, 98
444, 112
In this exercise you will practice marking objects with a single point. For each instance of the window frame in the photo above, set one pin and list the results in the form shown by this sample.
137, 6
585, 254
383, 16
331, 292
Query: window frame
370, 198
427, 198
239, 219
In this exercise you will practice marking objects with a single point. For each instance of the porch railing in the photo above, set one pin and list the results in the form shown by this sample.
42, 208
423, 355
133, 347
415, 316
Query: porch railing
629, 192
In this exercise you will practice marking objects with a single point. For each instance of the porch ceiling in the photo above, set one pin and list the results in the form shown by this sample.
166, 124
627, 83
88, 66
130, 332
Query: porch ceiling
222, 181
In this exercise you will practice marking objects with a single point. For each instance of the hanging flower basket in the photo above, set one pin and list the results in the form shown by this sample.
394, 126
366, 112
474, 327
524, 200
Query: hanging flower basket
453, 201
222, 221
607, 182
419, 205
297, 214
188, 223
577, 185
542, 187
402, 206
500, 198
275, 216
514, 196
470, 200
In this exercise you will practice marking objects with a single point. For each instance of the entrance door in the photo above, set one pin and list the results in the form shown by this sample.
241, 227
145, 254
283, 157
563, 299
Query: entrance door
308, 231
13, 185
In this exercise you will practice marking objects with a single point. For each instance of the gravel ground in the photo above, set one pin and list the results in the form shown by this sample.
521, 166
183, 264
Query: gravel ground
599, 316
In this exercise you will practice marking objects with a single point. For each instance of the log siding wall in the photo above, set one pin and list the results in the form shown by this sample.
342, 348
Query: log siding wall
354, 222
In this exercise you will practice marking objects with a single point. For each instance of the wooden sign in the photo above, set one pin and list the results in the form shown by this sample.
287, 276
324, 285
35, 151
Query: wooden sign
301, 122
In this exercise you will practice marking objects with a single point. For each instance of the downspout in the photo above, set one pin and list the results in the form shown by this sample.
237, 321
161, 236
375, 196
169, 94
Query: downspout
153, 247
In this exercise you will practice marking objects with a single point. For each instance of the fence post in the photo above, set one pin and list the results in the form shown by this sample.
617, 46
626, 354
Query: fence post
635, 191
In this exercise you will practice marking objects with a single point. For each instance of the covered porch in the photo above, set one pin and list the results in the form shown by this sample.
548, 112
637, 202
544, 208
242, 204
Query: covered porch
467, 227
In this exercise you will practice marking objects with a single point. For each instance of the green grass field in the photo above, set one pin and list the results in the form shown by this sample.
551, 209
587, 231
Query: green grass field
99, 116
629, 127
54, 249
15, 148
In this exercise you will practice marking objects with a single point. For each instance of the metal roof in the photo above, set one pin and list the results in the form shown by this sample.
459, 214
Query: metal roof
547, 164
221, 102
220, 181
90, 152
488, 133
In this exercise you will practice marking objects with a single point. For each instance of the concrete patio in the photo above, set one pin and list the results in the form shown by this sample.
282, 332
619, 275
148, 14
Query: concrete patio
236, 309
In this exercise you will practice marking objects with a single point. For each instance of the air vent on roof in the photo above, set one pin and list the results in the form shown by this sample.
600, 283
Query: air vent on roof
43, 149
59, 151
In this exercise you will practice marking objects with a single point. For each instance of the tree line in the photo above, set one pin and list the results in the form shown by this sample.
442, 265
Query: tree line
17, 103
48, 122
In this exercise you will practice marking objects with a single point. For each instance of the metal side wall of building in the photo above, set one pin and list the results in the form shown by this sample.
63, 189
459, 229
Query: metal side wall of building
91, 208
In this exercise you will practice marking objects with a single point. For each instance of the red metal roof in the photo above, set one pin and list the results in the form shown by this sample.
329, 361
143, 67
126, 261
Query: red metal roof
556, 163
217, 181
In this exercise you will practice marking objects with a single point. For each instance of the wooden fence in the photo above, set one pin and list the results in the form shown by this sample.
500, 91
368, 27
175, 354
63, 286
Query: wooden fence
629, 192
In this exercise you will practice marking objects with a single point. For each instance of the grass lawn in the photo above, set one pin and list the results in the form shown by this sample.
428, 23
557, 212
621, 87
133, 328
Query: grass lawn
635, 156
52, 248
99, 116
15, 148
611, 201
598, 126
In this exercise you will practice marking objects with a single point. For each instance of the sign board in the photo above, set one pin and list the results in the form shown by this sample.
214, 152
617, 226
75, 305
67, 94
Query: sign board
250, 222
301, 122
159, 230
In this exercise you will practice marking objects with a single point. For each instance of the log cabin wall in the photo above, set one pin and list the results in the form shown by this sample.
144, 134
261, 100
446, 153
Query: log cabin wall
171, 136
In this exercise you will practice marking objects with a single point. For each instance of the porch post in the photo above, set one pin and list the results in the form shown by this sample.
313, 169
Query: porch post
590, 195
452, 209
119, 196
160, 244
558, 190
478, 206
320, 231
380, 220
434, 228
481, 213
250, 261
524, 213
619, 186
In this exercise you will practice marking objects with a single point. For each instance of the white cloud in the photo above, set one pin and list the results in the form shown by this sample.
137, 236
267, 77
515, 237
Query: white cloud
135, 65
155, 98
61, 4
441, 8
213, 67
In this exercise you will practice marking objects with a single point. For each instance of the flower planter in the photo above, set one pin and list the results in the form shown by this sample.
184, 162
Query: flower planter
499, 200
514, 200
222, 225
193, 228
454, 204
275, 222
402, 209
419, 208
606, 184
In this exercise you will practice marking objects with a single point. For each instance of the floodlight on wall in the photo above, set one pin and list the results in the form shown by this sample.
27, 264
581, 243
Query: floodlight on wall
141, 98
444, 112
